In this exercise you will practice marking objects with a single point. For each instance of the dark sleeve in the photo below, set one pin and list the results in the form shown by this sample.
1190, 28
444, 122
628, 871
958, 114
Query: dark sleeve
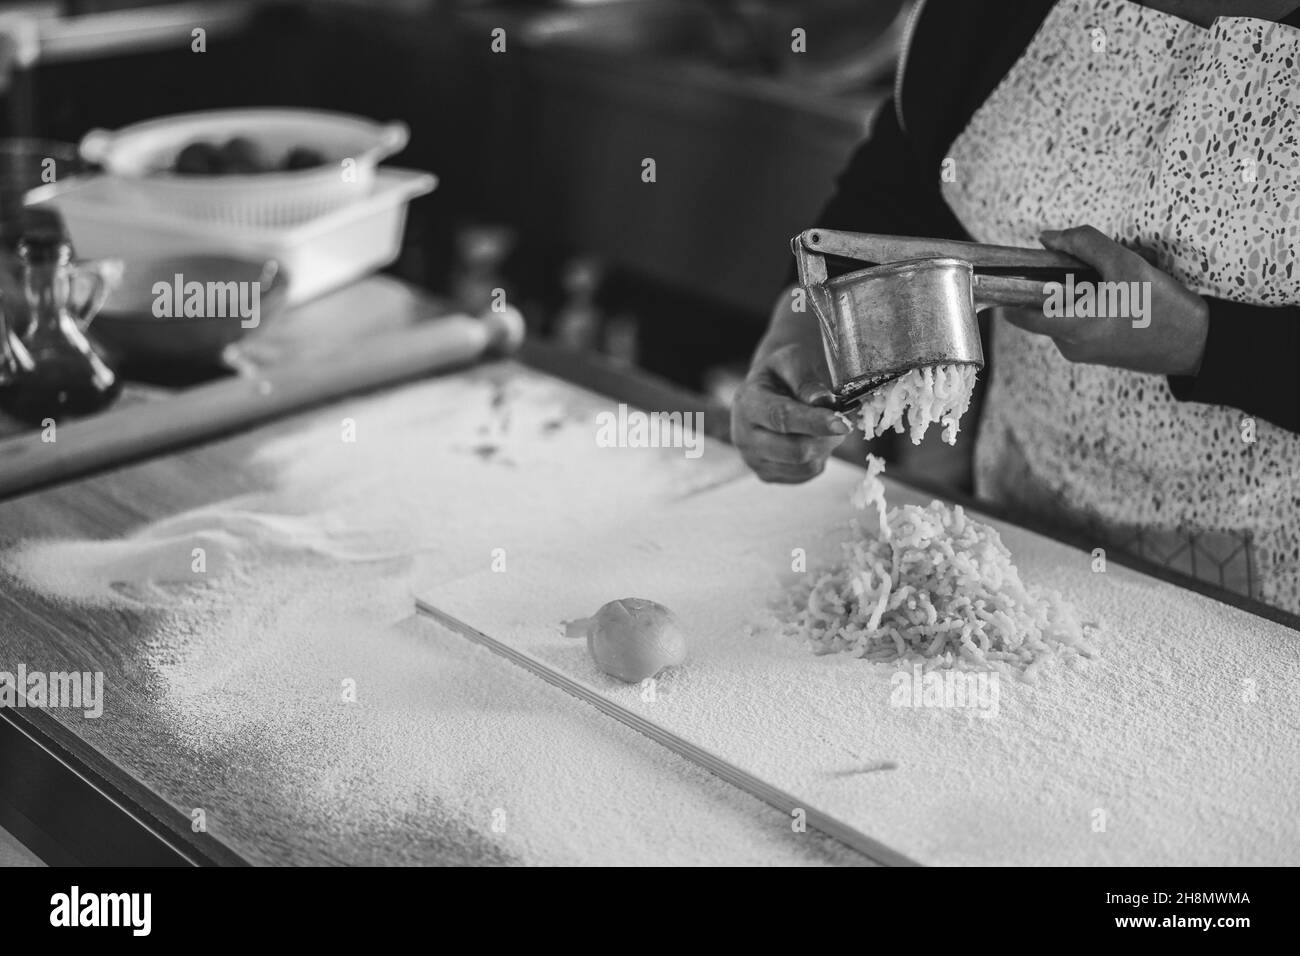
1249, 363
887, 187
954, 55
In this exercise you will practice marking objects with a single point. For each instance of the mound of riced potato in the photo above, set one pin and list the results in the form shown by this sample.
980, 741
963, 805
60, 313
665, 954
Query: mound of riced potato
933, 585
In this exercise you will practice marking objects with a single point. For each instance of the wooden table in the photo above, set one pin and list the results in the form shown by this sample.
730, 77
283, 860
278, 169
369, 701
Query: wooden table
65, 787
58, 794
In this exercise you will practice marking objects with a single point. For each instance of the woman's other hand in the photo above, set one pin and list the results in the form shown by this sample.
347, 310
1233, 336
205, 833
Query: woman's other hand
781, 420
1164, 331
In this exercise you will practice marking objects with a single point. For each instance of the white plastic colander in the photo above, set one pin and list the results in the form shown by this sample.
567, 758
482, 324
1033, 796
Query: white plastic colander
141, 157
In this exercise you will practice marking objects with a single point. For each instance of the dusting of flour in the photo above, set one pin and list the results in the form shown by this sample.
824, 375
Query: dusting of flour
315, 721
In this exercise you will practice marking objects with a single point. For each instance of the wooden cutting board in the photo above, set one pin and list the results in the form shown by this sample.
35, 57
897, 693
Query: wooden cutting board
1176, 746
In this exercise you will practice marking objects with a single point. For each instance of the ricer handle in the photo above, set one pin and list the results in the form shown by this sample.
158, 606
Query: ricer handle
878, 250
1011, 291
811, 266
810, 263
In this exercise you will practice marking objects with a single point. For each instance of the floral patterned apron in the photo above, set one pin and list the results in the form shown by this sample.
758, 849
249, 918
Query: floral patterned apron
1182, 139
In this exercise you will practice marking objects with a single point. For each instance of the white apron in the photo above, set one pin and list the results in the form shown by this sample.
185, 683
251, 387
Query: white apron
1183, 139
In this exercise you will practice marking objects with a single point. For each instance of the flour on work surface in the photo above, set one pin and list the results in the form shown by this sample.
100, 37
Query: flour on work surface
312, 727
442, 473
929, 584
1175, 746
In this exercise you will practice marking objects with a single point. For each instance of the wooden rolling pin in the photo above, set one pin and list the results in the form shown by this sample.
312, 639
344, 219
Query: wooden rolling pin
207, 411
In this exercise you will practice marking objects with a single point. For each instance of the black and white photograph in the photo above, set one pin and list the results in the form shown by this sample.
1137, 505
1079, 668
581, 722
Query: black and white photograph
651, 433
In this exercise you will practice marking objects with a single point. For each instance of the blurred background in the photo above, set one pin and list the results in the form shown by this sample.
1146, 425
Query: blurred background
539, 147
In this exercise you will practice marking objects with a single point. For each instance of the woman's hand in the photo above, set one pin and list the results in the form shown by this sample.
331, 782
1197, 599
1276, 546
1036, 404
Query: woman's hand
1165, 336
780, 419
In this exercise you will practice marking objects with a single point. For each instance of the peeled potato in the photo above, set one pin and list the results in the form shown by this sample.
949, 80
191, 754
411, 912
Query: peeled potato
633, 639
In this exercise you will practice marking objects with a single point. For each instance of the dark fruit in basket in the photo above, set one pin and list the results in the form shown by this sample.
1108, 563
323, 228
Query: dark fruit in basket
301, 157
240, 155
199, 159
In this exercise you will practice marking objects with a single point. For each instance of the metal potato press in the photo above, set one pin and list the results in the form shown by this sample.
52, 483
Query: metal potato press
917, 304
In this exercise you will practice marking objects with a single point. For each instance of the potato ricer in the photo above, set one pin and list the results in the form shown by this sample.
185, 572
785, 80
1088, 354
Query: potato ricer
917, 305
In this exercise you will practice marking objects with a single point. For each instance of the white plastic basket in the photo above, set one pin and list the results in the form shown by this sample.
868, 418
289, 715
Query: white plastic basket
319, 256
142, 155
